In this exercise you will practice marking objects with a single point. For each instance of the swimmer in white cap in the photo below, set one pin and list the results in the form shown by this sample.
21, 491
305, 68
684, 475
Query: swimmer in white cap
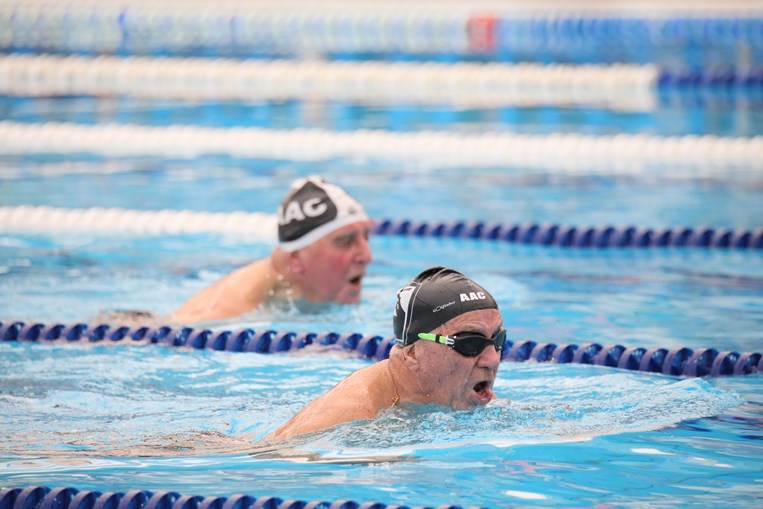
321, 256
448, 334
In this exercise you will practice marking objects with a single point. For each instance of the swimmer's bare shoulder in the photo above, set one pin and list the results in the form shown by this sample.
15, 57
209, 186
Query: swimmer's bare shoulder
236, 293
353, 399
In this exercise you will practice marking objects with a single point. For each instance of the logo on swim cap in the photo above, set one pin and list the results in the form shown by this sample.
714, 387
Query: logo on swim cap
404, 296
473, 296
443, 306
434, 297
296, 211
312, 209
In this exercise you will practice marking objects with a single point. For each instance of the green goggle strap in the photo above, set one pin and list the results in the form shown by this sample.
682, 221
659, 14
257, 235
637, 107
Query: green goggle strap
429, 336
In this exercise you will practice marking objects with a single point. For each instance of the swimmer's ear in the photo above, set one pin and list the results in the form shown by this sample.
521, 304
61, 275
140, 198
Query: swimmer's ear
295, 263
411, 357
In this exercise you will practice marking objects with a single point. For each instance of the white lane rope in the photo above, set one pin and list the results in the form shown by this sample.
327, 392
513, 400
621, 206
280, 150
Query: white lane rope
565, 153
618, 87
254, 226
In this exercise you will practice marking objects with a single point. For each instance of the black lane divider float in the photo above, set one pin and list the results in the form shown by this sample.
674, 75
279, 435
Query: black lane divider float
42, 497
675, 361
578, 237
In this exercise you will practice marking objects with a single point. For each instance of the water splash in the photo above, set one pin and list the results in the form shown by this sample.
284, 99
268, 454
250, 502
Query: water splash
588, 407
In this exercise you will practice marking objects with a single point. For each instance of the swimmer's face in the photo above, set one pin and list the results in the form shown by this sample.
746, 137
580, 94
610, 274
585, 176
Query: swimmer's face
451, 379
333, 268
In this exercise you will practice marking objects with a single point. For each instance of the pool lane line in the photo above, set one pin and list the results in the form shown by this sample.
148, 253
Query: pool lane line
261, 227
617, 87
580, 32
673, 361
626, 88
558, 153
43, 497
556, 235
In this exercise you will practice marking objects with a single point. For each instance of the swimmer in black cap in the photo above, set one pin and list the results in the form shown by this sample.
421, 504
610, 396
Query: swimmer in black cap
321, 256
449, 335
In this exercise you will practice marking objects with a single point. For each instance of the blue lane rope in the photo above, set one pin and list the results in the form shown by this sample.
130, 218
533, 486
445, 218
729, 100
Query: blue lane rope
675, 361
574, 237
700, 38
714, 77
42, 497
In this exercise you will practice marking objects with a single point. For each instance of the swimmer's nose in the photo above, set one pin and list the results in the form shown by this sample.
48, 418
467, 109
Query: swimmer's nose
489, 358
363, 253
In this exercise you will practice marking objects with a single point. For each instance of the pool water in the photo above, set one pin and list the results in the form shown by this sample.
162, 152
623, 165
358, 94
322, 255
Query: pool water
160, 418
546, 294
151, 417
703, 112
118, 417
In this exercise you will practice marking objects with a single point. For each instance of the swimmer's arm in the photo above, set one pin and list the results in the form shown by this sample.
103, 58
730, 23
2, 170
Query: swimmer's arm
317, 417
317, 423
340, 405
239, 292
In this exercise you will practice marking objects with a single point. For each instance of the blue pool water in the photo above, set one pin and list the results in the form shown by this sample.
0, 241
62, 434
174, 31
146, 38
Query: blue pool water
711, 111
117, 417
546, 294
571, 435
120, 417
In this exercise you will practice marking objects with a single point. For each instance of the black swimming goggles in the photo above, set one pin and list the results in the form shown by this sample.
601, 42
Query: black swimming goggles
469, 344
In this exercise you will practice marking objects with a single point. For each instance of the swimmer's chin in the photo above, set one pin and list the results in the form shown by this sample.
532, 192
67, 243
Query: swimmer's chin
351, 297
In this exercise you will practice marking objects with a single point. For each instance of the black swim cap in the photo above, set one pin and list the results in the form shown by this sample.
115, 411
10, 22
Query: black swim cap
312, 209
432, 298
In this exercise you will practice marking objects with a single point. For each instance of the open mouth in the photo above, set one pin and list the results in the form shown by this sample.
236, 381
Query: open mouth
356, 280
482, 389
481, 386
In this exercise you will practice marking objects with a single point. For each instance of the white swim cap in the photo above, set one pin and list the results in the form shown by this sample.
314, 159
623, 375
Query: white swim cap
312, 209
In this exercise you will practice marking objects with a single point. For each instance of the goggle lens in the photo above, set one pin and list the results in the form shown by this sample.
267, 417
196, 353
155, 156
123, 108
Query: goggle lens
469, 344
